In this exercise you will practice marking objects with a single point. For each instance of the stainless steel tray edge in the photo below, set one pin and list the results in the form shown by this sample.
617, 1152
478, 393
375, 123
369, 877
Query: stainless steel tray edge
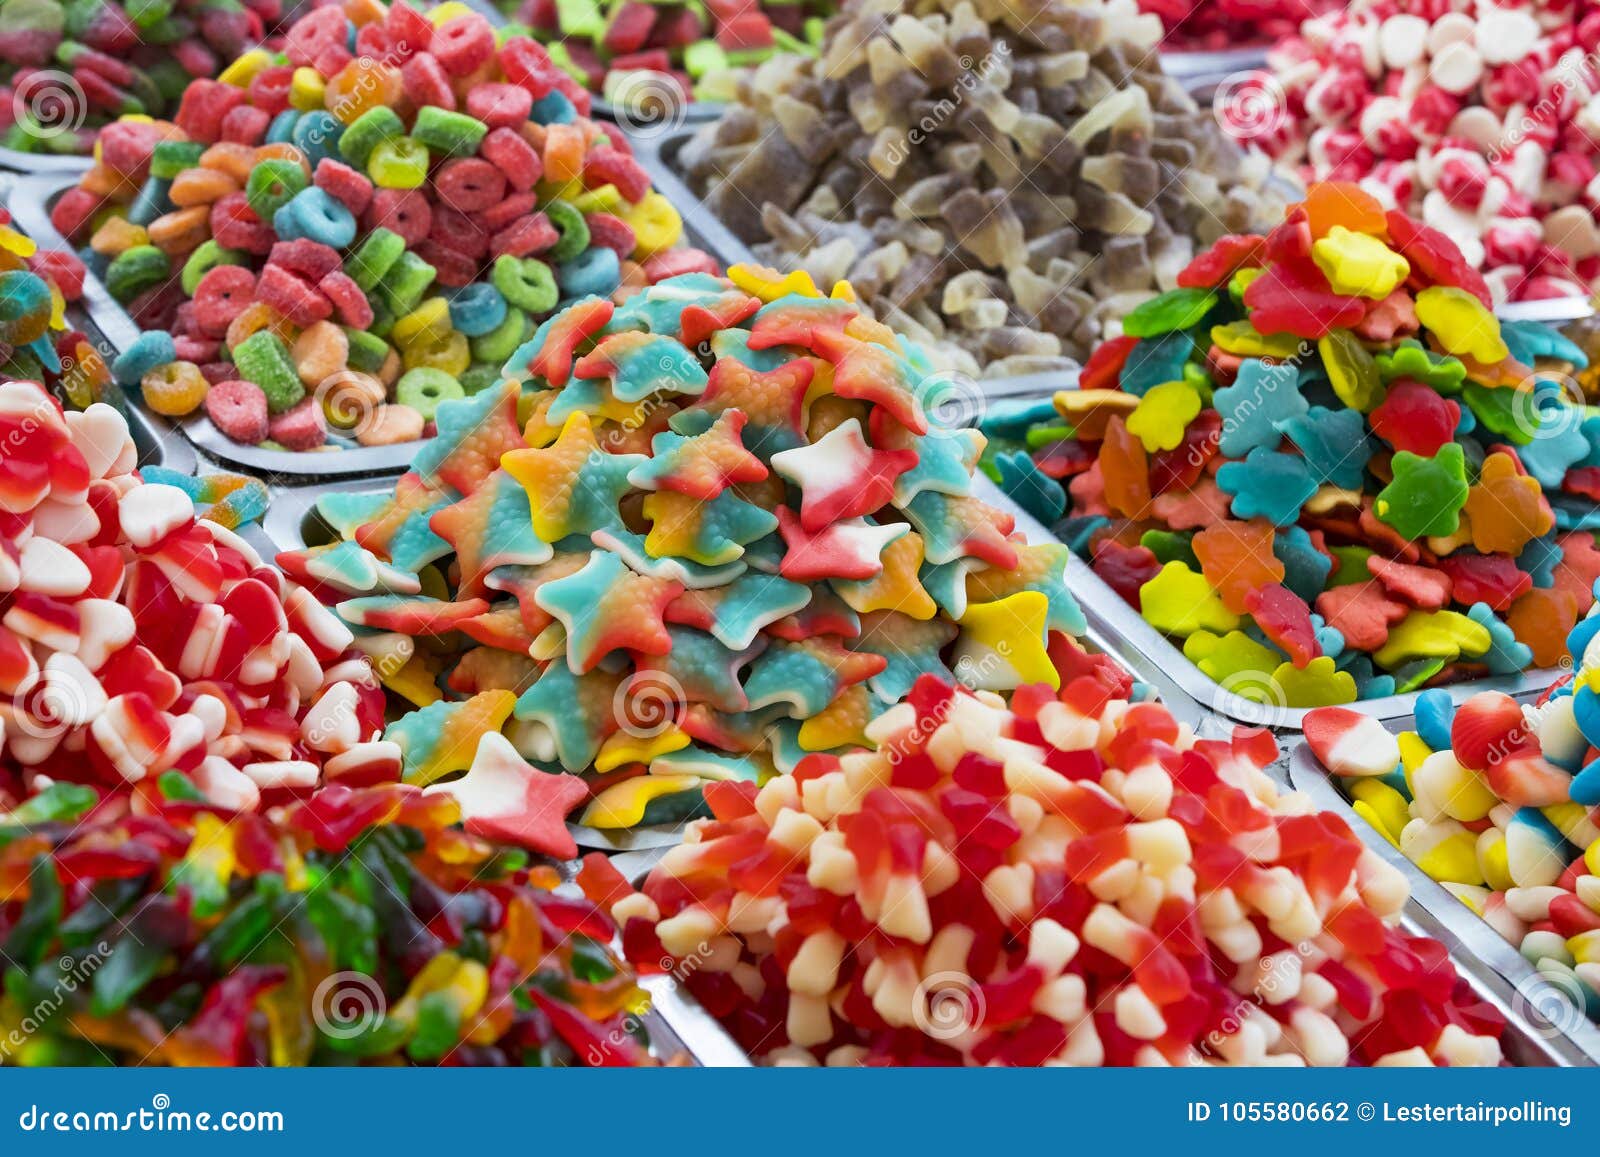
1498, 970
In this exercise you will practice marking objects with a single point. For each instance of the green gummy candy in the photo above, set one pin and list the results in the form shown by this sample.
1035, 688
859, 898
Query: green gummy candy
526, 283
206, 258
272, 184
450, 133
367, 350
367, 131
502, 341
172, 157
704, 56
424, 388
262, 358
480, 377
376, 256
405, 283
574, 232
135, 270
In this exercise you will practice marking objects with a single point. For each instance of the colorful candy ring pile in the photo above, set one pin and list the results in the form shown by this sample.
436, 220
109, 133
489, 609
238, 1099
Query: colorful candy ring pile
649, 59
324, 245
68, 68
1323, 467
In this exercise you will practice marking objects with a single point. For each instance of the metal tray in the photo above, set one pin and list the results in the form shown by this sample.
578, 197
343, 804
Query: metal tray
1497, 970
658, 153
19, 162
1120, 621
31, 199
1554, 310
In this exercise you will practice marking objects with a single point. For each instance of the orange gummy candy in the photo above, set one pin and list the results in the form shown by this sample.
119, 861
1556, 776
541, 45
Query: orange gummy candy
1124, 470
1541, 619
1330, 203
1236, 558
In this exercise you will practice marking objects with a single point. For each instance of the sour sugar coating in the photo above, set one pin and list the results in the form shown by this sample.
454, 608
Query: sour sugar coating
68, 69
1059, 881
143, 645
360, 926
694, 537
1467, 116
999, 186
337, 237
1494, 799
648, 58
1323, 467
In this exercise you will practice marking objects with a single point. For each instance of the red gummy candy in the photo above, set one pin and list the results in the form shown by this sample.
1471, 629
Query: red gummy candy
1416, 418
1229, 254
1494, 579
1125, 568
1284, 618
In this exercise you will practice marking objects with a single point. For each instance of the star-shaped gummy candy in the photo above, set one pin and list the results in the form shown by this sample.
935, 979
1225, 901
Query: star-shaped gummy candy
504, 798
642, 365
701, 465
840, 476
605, 606
473, 434
774, 401
574, 487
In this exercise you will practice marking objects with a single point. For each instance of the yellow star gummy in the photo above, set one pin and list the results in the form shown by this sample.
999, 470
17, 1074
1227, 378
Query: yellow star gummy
624, 747
622, 804
1002, 644
573, 486
1357, 265
896, 587
1432, 635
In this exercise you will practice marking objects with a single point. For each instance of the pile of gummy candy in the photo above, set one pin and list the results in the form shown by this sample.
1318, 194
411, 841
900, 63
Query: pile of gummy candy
1062, 881
1494, 801
650, 58
68, 67
332, 242
685, 567
1473, 116
1324, 467
1221, 25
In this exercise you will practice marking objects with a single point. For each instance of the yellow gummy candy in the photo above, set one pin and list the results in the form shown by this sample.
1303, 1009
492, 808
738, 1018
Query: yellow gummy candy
1243, 340
430, 321
1002, 643
1357, 265
246, 68
1226, 658
622, 804
307, 90
1432, 635
843, 291
1494, 861
1451, 854
1412, 752
622, 748
1388, 807
605, 199
768, 284
448, 11
1461, 323
1163, 414
1318, 684
656, 226
1181, 602
1367, 812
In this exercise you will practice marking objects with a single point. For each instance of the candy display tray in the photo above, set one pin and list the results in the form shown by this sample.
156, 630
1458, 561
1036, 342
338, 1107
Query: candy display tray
1122, 622
657, 151
1529, 1039
1498, 970
17, 161
31, 199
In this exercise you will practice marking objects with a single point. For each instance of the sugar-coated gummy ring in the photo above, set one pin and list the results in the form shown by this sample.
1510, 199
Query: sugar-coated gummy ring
479, 377
367, 132
367, 350
175, 389
401, 163
24, 307
239, 409
281, 130
203, 260
374, 257
313, 213
263, 359
527, 283
502, 341
273, 184
222, 295
169, 158
405, 283
316, 135
424, 388
594, 272
573, 228
448, 133
135, 270
150, 349
477, 309
430, 321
